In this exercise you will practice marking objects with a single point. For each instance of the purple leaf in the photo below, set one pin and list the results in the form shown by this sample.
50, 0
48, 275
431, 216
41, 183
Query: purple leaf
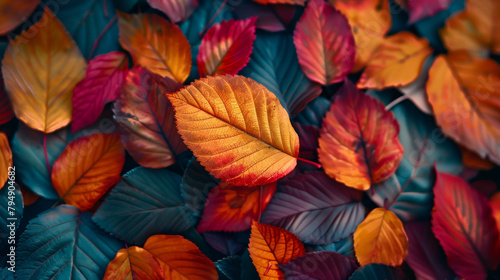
319, 265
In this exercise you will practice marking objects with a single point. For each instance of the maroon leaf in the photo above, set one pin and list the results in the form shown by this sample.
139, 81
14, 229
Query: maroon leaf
6, 112
319, 265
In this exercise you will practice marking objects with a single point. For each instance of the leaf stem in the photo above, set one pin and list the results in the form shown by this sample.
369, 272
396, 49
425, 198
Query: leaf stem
396, 102
212, 19
317, 165
96, 42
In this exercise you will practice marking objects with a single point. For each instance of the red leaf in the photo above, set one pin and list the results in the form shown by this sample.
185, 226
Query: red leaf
102, 82
6, 112
325, 44
226, 47
176, 10
464, 226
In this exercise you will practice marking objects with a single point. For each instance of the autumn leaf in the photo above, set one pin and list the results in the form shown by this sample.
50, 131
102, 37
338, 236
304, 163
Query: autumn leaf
463, 224
328, 265
270, 246
6, 112
464, 92
134, 263
5, 159
358, 142
326, 54
87, 168
419, 10
29, 197
105, 76
233, 208
146, 119
473, 160
396, 62
381, 238
370, 20
41, 73
291, 2
495, 209
237, 129
175, 10
13, 14
180, 258
226, 47
156, 44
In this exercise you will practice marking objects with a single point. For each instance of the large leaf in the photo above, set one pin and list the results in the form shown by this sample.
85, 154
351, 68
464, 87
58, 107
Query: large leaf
14, 13
274, 64
134, 263
146, 119
11, 212
251, 140
156, 44
5, 159
381, 238
87, 168
325, 54
464, 226
408, 193
226, 47
316, 208
144, 202
63, 243
378, 271
102, 83
270, 246
464, 92
40, 74
358, 142
175, 10
327, 265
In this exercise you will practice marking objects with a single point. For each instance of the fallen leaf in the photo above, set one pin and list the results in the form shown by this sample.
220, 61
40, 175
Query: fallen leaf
14, 13
419, 10
134, 263
175, 10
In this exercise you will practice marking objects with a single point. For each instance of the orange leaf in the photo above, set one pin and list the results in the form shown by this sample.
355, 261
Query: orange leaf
156, 44
464, 92
237, 129
473, 160
233, 208
270, 246
134, 263
29, 197
5, 159
398, 61
180, 258
13, 13
358, 142
380, 238
370, 20
41, 68
291, 2
87, 168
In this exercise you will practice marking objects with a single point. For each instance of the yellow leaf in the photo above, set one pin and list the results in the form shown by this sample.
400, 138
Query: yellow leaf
397, 62
380, 238
5, 159
237, 129
156, 44
41, 68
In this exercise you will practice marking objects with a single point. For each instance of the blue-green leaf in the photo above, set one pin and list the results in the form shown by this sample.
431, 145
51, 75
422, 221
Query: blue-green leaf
11, 211
343, 246
196, 186
144, 203
230, 267
314, 112
5, 274
63, 243
377, 271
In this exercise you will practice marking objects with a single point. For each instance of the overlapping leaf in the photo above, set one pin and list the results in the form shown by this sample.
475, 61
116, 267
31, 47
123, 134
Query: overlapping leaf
328, 265
358, 143
422, 9
156, 44
215, 113
13, 13
146, 119
5, 159
40, 74
325, 54
315, 208
134, 263
377, 271
174, 9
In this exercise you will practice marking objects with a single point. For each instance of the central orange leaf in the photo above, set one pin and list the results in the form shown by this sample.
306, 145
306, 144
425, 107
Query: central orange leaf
237, 129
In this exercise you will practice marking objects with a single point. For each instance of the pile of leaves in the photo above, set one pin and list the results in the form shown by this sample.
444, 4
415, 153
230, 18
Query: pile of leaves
264, 139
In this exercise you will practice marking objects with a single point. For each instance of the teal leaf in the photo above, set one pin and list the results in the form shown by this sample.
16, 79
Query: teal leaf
6, 274
145, 202
314, 112
63, 243
11, 211
230, 267
343, 246
377, 271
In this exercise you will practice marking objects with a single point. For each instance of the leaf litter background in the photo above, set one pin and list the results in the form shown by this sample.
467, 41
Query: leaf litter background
271, 139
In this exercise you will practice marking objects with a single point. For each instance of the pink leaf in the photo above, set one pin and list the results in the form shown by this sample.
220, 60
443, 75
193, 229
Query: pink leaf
324, 42
426, 8
226, 47
105, 76
176, 10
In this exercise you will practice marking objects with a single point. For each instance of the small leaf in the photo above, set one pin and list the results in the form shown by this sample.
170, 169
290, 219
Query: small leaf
251, 140
14, 13
80, 251
156, 44
5, 159
144, 202
40, 89
102, 83
465, 228
87, 168
381, 238
422, 9
327, 265
146, 119
270, 246
326, 55
226, 47
316, 208
396, 62
231, 208
180, 258
358, 142
29, 197
230, 267
378, 271
175, 10
134, 263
